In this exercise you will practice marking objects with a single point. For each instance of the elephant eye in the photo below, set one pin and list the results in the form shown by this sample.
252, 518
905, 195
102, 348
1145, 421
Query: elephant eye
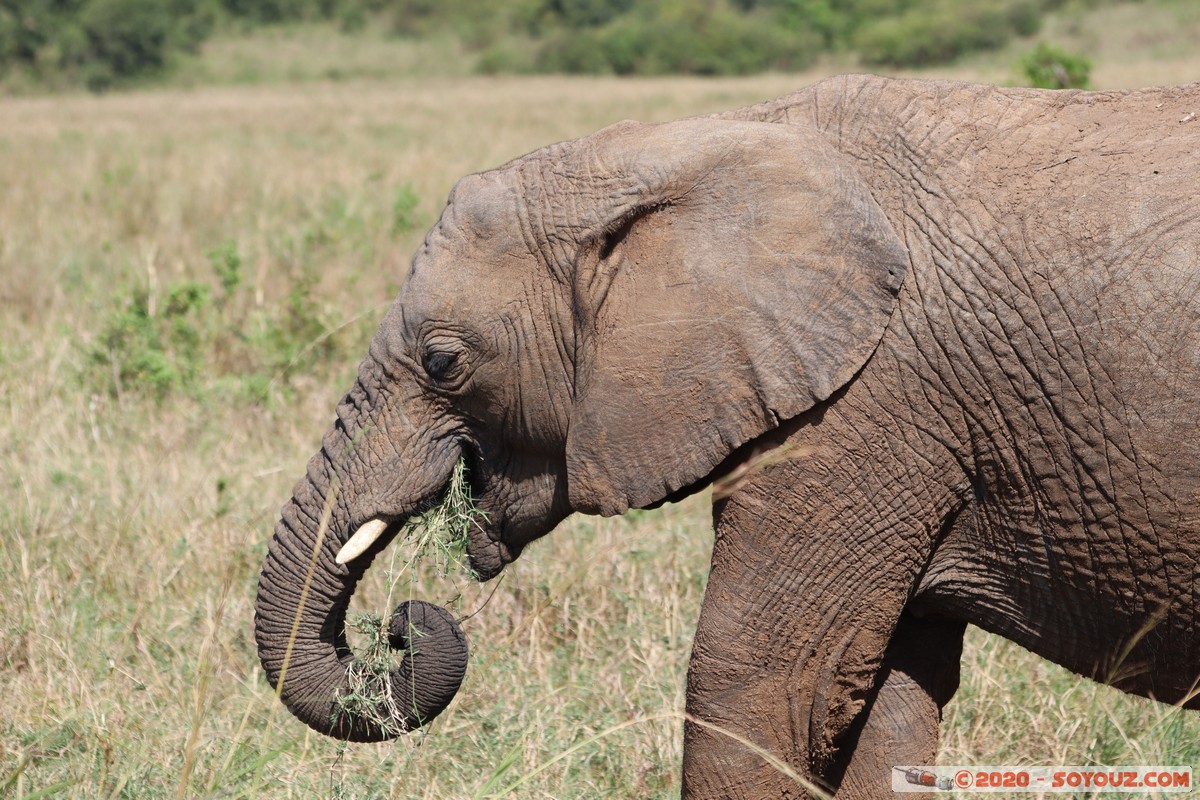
439, 364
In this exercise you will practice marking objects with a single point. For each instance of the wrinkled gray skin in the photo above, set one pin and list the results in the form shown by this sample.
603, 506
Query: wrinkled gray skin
971, 316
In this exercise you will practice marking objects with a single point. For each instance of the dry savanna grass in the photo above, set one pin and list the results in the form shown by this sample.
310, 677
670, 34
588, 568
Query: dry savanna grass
189, 279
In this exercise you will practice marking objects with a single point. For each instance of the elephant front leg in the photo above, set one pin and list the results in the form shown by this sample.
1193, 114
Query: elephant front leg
814, 560
792, 635
899, 726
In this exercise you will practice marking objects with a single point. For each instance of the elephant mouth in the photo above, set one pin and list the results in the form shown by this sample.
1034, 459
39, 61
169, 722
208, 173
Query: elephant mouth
487, 553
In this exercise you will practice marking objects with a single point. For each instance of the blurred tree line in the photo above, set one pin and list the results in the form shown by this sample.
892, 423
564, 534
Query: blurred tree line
101, 42
719, 37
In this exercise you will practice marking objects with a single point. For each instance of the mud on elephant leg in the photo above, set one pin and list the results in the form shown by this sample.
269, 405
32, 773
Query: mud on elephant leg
899, 726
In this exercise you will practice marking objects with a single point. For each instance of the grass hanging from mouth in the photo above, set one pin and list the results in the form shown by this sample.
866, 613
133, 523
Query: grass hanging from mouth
442, 532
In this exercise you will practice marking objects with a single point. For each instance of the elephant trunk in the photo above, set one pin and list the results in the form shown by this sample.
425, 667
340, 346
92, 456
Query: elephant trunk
300, 627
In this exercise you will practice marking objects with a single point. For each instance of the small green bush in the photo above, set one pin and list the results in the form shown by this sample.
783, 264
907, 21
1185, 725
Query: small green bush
1051, 67
226, 263
143, 349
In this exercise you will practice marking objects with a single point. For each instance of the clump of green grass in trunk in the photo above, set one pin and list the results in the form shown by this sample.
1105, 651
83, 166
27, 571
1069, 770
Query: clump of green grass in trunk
440, 534
369, 695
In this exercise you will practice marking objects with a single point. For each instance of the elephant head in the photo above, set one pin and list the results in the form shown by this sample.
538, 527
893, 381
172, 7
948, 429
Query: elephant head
593, 327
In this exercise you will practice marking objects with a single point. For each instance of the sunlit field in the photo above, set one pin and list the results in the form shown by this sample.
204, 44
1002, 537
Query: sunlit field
189, 277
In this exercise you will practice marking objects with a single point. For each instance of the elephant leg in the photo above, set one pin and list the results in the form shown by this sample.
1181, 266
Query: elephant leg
811, 572
900, 724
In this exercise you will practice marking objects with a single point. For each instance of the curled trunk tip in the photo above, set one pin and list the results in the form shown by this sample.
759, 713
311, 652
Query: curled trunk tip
380, 704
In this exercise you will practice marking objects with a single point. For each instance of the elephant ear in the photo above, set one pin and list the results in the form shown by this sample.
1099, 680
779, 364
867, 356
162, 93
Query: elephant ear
735, 275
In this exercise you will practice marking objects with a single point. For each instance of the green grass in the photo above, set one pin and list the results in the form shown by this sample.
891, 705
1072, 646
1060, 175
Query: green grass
441, 533
369, 694
134, 522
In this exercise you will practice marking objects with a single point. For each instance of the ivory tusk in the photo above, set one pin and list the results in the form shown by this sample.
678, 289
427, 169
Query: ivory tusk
363, 538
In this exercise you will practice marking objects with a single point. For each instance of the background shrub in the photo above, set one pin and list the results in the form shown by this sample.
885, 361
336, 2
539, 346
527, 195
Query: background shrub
661, 38
1050, 67
943, 31
100, 42
122, 38
194, 337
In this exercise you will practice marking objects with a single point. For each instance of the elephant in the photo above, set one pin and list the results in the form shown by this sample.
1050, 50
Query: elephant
937, 345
